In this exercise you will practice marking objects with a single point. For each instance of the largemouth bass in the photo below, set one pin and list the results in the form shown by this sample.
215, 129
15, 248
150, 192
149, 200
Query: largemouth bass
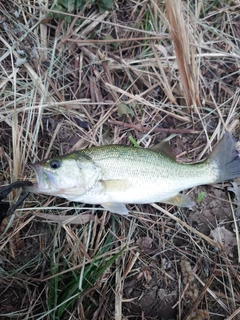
116, 175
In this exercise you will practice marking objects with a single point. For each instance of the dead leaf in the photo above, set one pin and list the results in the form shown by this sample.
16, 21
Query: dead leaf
145, 242
226, 238
124, 109
236, 190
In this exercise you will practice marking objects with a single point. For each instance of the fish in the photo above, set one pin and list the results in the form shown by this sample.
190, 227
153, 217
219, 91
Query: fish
115, 175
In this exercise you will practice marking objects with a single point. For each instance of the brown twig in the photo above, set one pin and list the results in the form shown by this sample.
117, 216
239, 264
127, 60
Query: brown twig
200, 297
141, 128
104, 41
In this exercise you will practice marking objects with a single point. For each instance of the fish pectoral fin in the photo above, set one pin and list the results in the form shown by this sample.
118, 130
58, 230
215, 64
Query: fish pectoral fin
115, 184
115, 207
180, 200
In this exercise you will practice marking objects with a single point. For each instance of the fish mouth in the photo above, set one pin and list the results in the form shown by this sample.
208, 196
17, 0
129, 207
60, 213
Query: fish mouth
43, 181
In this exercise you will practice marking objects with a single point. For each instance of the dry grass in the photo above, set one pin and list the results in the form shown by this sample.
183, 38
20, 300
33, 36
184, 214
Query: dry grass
141, 72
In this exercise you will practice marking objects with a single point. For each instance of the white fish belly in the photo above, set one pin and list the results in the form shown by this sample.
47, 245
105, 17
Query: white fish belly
140, 192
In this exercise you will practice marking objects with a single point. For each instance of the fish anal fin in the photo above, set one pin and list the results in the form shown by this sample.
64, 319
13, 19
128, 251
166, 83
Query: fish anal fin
180, 200
115, 207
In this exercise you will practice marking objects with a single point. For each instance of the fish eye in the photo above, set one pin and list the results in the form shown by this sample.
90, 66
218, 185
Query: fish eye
55, 164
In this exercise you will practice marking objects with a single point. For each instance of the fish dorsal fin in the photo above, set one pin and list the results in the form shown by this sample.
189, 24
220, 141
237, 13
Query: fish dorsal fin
164, 148
115, 207
115, 184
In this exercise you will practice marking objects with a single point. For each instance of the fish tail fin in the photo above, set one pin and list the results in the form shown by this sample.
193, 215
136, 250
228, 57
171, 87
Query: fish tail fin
225, 158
